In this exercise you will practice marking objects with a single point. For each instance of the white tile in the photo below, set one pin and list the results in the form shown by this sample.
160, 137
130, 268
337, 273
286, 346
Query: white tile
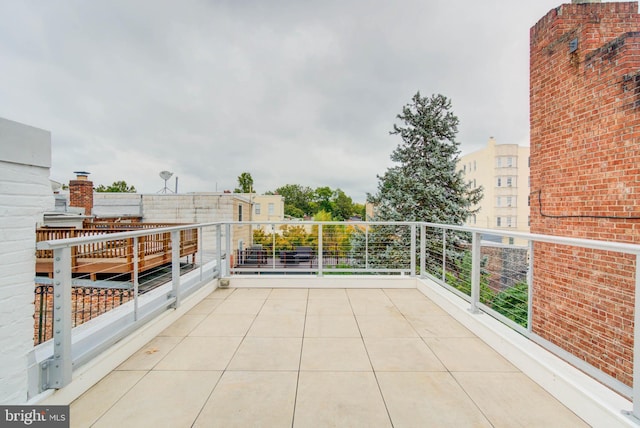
468, 354
183, 325
239, 306
200, 353
438, 326
339, 399
222, 325
284, 306
162, 399
510, 399
385, 326
331, 326
428, 399
274, 325
329, 306
334, 354
250, 398
92, 404
267, 353
150, 354
401, 354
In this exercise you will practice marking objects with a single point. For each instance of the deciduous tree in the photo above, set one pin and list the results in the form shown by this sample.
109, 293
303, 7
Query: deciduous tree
116, 187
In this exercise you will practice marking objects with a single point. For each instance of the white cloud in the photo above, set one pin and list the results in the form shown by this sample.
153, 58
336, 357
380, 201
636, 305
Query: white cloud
294, 93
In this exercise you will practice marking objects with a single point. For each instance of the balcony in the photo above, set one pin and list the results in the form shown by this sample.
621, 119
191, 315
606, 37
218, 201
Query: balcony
350, 339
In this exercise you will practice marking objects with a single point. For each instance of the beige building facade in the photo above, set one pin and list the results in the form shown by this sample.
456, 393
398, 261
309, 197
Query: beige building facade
503, 172
266, 207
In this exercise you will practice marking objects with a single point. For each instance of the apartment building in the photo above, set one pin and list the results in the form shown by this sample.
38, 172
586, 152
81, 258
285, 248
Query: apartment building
503, 171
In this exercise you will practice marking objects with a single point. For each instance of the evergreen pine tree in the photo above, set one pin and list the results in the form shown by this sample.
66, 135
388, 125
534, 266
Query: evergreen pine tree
423, 186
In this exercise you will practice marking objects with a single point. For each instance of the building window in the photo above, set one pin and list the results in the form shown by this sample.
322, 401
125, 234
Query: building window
498, 162
498, 201
509, 201
474, 165
498, 221
239, 212
271, 208
474, 183
464, 168
474, 219
510, 241
528, 220
257, 209
499, 182
509, 222
509, 181
509, 162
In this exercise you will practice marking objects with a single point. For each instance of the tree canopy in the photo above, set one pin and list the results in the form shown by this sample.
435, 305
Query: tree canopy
116, 187
245, 183
425, 184
300, 201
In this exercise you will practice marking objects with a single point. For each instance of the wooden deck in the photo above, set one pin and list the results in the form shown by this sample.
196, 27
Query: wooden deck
117, 256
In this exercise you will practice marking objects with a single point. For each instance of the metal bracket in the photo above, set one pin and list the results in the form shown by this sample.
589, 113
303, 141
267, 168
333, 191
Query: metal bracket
45, 367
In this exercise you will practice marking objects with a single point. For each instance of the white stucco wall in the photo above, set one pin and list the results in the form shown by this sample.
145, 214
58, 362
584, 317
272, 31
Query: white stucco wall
25, 194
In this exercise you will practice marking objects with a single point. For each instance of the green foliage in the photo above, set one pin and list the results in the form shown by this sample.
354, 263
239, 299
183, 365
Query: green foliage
300, 201
460, 278
297, 199
245, 183
335, 238
425, 184
116, 187
513, 303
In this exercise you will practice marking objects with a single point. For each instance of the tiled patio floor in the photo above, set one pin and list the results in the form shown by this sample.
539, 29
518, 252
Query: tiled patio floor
315, 358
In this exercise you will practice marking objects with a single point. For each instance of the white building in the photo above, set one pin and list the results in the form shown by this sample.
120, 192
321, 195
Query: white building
503, 171
25, 194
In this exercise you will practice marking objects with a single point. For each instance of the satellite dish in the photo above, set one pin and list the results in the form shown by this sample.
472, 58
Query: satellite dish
165, 175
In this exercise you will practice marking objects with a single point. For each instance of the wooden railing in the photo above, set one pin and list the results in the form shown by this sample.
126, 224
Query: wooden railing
153, 249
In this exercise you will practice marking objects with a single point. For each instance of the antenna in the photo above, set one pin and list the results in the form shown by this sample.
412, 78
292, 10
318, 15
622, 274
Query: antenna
165, 175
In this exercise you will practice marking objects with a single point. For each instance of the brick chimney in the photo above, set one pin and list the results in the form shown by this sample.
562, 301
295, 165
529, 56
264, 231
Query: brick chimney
81, 192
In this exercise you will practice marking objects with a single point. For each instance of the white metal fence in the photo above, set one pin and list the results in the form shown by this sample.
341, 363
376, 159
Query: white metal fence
576, 297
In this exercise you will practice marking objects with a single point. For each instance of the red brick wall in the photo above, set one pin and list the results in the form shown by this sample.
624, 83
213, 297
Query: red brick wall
81, 195
585, 164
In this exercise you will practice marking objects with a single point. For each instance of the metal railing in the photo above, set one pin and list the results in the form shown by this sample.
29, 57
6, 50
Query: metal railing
575, 297
84, 314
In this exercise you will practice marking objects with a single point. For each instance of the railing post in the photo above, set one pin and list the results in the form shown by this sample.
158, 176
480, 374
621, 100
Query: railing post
61, 365
636, 343
475, 272
530, 289
444, 255
366, 247
227, 245
175, 267
135, 277
201, 249
320, 250
423, 250
273, 244
413, 250
219, 249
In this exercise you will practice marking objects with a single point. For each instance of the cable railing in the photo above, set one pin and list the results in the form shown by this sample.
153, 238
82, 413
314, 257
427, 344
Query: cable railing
575, 297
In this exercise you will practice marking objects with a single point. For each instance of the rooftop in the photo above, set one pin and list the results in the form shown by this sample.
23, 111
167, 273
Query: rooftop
303, 357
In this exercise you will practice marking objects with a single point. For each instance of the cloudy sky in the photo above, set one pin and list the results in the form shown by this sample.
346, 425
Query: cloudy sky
293, 92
